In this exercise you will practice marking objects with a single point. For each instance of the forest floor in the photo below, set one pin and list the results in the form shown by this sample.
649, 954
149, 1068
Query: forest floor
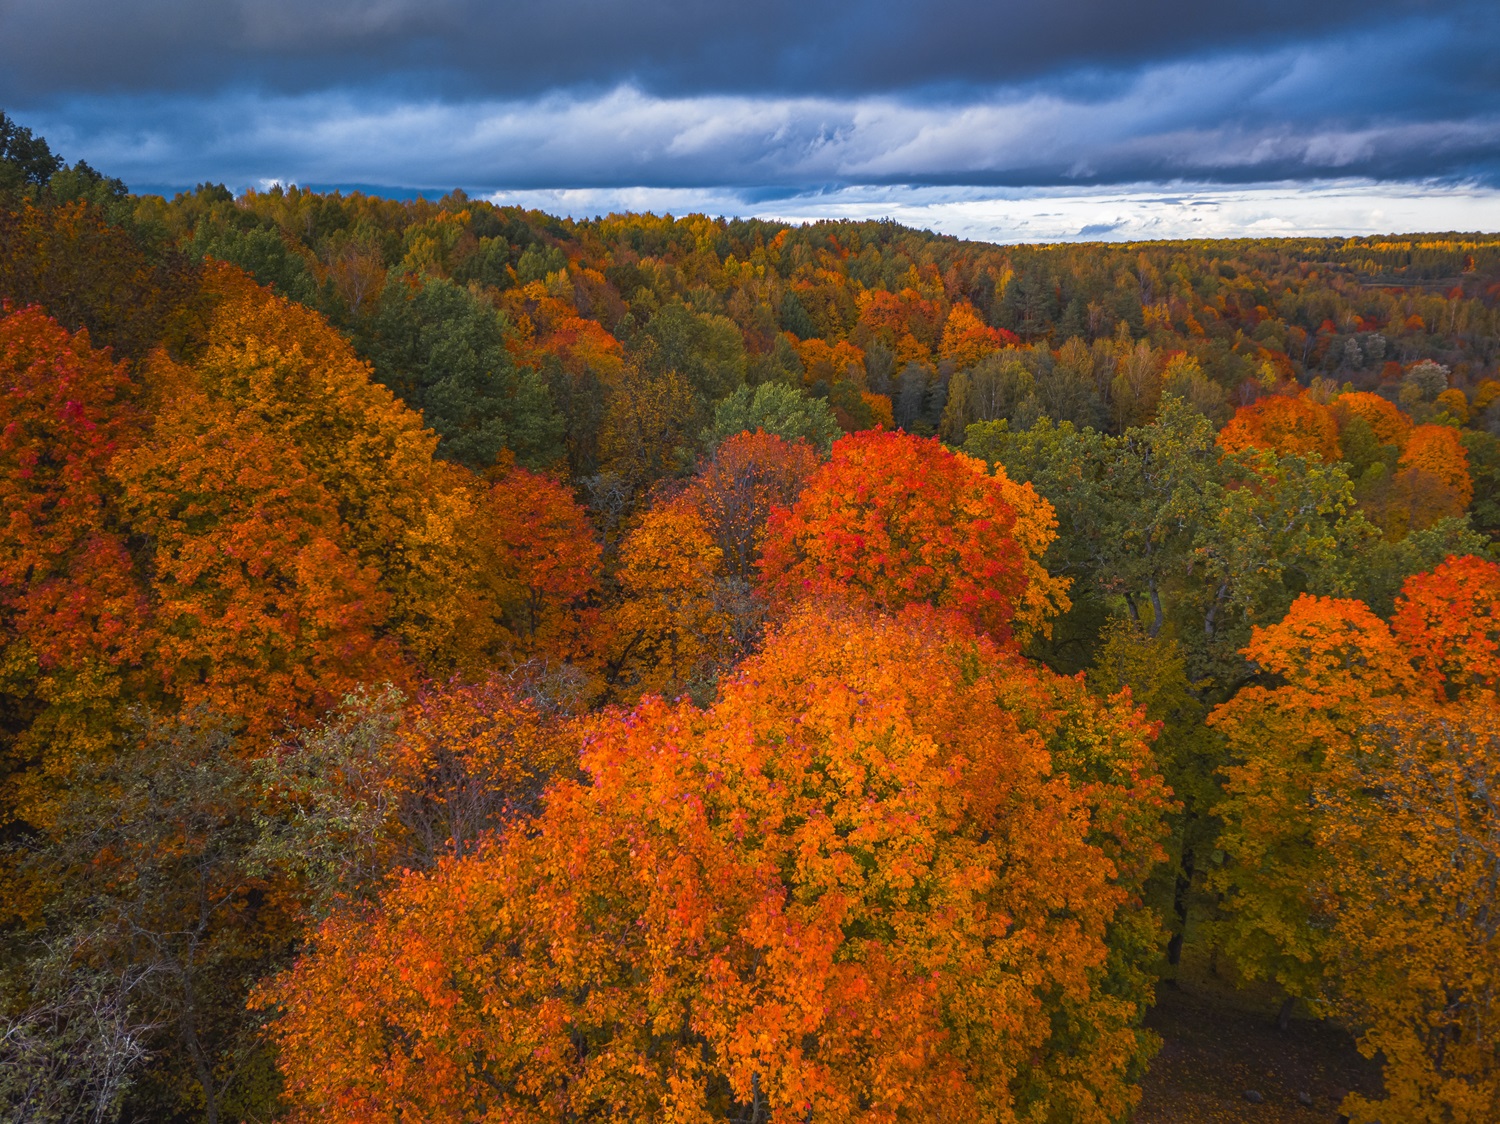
1219, 1046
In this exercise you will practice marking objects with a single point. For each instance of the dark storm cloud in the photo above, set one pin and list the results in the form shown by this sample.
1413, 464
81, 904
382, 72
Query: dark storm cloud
480, 47
780, 94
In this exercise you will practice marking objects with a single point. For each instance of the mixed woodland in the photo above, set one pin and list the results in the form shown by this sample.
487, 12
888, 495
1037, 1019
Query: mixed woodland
462, 664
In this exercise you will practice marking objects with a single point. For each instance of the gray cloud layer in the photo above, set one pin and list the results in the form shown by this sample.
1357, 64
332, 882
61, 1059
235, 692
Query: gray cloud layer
777, 95
481, 47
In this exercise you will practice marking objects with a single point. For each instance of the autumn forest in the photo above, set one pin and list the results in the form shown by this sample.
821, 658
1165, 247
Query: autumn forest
459, 664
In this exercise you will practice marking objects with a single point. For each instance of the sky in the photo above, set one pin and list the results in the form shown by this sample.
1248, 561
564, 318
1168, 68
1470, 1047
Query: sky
991, 119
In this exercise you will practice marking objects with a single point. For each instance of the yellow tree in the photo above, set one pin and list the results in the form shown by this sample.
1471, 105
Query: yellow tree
967, 339
284, 368
1361, 834
1044, 596
1334, 658
1414, 832
648, 423
260, 613
671, 630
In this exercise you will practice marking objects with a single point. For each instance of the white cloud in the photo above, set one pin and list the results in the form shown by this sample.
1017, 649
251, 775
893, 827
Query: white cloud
1116, 214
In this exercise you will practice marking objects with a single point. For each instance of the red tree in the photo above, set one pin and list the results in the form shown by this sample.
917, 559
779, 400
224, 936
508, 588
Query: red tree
892, 520
1448, 621
66, 583
545, 558
750, 475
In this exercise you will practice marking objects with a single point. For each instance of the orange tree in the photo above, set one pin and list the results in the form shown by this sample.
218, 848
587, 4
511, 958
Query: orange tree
688, 610
253, 531
283, 367
882, 878
1432, 481
1388, 424
260, 611
892, 520
385, 783
232, 538
1283, 423
1448, 621
543, 560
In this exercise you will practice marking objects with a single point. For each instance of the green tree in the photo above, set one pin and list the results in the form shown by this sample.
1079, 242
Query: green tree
261, 252
26, 160
1154, 668
1484, 469
1161, 526
705, 350
1002, 385
1185, 379
1069, 391
442, 349
77, 1047
775, 408
1377, 571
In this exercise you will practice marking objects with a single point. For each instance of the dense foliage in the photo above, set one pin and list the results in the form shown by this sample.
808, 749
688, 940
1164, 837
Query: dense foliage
854, 888
457, 663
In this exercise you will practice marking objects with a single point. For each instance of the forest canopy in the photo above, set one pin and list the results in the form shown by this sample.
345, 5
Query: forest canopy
459, 663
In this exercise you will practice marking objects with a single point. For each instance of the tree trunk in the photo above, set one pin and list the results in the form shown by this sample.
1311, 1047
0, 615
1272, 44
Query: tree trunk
1284, 1016
1180, 891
